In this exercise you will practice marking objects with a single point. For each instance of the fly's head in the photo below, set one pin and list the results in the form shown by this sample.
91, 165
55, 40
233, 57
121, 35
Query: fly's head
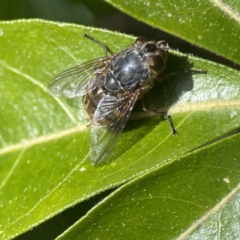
155, 53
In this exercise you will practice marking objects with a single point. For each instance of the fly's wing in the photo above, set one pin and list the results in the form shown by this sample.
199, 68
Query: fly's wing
73, 82
109, 120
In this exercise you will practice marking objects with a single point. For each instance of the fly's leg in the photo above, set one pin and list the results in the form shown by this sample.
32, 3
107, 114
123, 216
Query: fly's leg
105, 47
185, 70
164, 113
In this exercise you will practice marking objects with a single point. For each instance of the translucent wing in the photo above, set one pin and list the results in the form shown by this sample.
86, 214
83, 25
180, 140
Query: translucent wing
73, 82
109, 120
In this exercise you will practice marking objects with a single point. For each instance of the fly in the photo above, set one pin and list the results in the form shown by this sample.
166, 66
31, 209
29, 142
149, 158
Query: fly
110, 87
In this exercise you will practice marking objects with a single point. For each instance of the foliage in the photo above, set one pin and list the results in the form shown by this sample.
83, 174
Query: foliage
183, 186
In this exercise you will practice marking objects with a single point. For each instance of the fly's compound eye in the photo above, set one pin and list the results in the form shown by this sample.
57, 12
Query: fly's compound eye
140, 41
150, 48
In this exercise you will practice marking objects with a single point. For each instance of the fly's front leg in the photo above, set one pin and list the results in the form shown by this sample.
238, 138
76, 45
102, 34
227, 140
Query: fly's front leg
164, 113
105, 47
185, 70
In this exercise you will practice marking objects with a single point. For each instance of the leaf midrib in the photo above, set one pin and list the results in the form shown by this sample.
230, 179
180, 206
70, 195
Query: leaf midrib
205, 106
43, 139
189, 107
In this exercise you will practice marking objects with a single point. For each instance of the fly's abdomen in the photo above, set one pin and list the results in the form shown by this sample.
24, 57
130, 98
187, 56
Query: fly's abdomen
91, 100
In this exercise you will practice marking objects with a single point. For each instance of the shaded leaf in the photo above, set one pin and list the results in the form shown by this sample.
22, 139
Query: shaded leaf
195, 197
213, 25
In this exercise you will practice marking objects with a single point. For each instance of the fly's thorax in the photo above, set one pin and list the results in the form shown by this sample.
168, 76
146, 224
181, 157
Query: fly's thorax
127, 71
137, 66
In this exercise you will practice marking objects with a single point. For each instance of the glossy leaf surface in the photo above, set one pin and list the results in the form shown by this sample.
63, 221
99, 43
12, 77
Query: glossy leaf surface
44, 140
195, 197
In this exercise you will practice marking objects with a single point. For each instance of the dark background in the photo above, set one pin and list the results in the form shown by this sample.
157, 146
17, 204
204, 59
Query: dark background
99, 14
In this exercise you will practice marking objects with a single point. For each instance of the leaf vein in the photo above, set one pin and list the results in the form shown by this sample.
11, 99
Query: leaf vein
227, 9
183, 120
13, 168
42, 139
63, 49
37, 83
42, 199
218, 207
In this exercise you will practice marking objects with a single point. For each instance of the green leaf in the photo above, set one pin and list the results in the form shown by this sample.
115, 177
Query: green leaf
44, 140
213, 25
196, 197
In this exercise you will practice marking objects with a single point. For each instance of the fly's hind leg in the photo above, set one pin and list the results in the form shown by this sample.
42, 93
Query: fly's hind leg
105, 47
164, 113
